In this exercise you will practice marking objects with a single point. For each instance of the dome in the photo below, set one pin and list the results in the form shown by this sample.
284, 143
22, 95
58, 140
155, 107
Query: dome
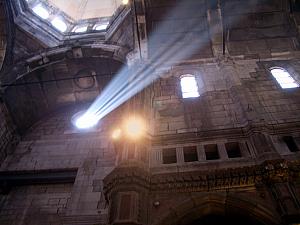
87, 9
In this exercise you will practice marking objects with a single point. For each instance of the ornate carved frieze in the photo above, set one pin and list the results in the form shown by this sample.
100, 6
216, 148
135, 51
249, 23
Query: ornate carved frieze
266, 173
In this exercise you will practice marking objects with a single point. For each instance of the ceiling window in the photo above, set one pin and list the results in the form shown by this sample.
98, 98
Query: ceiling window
41, 11
80, 29
189, 87
284, 78
59, 24
101, 26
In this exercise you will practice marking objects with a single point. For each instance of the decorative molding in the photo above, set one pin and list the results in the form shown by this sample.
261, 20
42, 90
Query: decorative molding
268, 172
244, 131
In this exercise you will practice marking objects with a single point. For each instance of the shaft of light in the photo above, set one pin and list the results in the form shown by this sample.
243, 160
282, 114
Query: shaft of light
126, 84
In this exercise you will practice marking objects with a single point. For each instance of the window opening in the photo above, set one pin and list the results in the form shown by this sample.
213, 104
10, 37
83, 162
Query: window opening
189, 87
169, 156
59, 24
100, 27
41, 11
211, 152
284, 79
233, 150
190, 154
80, 29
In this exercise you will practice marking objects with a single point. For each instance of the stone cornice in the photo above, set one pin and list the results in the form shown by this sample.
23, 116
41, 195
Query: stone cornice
266, 173
238, 132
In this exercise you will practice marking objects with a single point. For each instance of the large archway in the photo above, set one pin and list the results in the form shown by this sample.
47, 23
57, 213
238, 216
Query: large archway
229, 219
213, 209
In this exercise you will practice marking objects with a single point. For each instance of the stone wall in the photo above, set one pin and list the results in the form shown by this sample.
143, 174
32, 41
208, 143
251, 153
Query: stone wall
259, 28
173, 25
54, 144
2, 32
35, 204
8, 136
231, 95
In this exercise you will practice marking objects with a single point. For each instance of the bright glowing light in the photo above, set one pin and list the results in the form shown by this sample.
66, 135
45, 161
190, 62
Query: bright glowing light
284, 78
128, 83
125, 2
80, 29
134, 127
116, 134
41, 11
102, 26
189, 86
86, 121
59, 24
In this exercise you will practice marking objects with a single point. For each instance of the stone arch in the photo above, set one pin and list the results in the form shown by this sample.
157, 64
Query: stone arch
196, 207
58, 85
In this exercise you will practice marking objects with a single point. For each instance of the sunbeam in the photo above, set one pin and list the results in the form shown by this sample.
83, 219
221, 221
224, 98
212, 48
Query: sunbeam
128, 83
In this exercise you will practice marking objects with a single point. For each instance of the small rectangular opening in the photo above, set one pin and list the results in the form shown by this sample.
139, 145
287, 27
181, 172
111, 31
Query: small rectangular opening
169, 156
233, 150
190, 154
291, 144
211, 152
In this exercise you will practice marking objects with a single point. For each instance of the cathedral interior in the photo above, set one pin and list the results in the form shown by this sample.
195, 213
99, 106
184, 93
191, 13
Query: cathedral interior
149, 112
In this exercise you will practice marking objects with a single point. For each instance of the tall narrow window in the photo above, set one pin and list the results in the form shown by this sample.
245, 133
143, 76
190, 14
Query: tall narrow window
189, 87
284, 78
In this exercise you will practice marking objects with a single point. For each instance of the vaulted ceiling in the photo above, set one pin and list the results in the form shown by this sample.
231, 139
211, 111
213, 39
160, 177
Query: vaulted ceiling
87, 9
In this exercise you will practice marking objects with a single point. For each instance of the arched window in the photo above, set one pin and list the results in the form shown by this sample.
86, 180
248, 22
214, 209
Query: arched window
189, 86
284, 78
